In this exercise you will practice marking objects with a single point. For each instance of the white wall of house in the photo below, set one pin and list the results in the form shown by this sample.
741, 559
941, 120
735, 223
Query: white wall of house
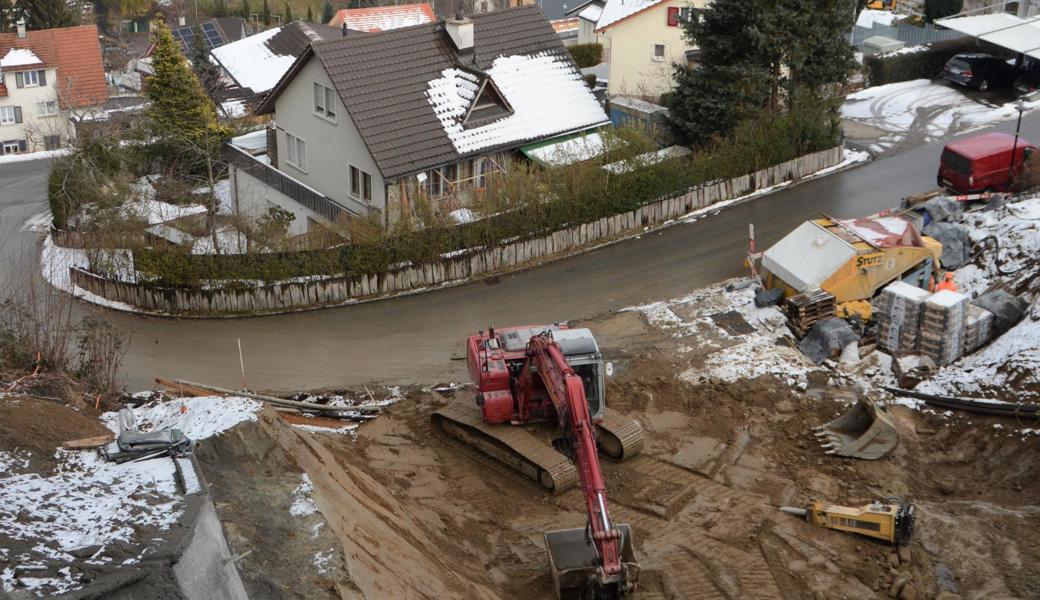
332, 145
253, 198
41, 119
643, 49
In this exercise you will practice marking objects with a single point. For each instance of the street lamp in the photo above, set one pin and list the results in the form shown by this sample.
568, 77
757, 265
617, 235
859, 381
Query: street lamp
1020, 106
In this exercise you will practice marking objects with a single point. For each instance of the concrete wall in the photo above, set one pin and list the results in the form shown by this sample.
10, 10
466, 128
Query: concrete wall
206, 569
34, 126
633, 68
331, 147
253, 198
303, 295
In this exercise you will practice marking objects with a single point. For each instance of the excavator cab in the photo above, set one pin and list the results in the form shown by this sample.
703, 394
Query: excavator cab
583, 355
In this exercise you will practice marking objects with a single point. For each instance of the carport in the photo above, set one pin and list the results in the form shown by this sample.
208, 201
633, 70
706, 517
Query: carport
1017, 34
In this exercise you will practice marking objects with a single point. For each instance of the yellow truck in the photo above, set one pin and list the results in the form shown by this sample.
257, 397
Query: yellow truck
852, 259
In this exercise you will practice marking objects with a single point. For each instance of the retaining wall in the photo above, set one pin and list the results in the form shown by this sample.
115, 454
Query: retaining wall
302, 295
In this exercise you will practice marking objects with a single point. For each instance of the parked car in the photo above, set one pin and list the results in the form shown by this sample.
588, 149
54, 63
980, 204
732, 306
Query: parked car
982, 163
1028, 84
980, 71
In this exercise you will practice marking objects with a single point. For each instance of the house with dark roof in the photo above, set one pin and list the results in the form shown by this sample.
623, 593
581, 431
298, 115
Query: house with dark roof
377, 122
46, 76
384, 18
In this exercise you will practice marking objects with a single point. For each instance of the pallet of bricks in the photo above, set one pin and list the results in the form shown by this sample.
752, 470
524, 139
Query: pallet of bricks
803, 310
942, 326
898, 315
978, 327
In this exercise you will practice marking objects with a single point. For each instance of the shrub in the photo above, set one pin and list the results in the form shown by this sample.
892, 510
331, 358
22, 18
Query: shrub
925, 64
586, 55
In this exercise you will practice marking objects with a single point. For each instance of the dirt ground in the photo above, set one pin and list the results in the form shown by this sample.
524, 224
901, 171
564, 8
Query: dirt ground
418, 516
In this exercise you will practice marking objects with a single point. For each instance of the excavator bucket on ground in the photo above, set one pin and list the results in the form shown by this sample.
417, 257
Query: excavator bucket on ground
867, 431
574, 564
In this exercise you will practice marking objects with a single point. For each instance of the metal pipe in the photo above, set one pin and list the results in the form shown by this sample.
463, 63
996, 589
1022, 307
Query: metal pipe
603, 511
792, 510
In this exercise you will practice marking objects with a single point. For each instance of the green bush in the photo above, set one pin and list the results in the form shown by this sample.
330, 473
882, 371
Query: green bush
586, 55
925, 64
579, 193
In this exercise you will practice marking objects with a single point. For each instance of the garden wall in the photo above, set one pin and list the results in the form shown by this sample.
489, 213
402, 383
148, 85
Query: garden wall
302, 295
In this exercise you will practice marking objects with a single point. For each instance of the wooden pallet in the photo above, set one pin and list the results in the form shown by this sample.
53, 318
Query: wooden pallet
804, 310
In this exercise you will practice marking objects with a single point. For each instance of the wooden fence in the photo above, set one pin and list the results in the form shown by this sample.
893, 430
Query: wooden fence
301, 295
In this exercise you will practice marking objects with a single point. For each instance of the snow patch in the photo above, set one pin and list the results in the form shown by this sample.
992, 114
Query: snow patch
197, 418
303, 505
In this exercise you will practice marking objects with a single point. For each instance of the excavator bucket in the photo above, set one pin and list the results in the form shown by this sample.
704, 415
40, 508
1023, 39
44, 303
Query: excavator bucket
573, 563
866, 431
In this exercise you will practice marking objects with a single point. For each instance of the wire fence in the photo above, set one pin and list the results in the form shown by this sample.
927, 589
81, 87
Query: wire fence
911, 35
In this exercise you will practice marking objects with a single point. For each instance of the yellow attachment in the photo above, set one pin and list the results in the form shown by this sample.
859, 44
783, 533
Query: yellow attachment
876, 520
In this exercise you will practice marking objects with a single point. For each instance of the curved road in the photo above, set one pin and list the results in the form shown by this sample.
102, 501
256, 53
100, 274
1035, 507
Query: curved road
411, 339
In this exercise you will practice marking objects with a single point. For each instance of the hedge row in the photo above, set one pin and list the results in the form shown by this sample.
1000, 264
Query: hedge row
925, 64
580, 193
586, 55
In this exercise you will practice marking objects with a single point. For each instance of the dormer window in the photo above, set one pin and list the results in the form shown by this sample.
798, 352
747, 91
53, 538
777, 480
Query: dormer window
489, 104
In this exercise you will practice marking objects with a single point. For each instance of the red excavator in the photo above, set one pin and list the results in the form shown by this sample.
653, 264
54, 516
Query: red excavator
554, 374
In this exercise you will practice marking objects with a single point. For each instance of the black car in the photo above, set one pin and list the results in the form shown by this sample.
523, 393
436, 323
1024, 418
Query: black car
980, 71
1028, 84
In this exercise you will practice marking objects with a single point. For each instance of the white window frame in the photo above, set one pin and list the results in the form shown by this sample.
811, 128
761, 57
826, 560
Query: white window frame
30, 78
296, 152
4, 119
10, 147
324, 101
653, 52
43, 109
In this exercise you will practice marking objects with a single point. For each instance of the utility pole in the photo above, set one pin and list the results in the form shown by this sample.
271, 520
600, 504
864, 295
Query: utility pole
1021, 108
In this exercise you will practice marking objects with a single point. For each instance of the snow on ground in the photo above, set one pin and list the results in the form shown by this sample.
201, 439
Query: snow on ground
15, 158
88, 502
350, 428
741, 338
54, 266
39, 222
222, 194
868, 17
198, 418
463, 215
144, 205
1012, 236
922, 109
303, 504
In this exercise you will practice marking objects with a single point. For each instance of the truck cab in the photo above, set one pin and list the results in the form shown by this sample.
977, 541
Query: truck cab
983, 163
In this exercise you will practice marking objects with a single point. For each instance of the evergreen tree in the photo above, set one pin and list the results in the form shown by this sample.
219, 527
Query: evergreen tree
46, 14
205, 70
938, 9
310, 14
265, 14
287, 17
219, 9
244, 10
7, 17
179, 109
327, 12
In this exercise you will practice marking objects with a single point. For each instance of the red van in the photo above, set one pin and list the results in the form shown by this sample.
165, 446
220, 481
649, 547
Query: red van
982, 163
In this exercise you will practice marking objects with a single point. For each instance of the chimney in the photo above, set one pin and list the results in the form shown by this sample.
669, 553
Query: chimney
344, 28
180, 21
21, 28
460, 30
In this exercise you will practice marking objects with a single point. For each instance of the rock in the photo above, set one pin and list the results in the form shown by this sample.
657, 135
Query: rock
893, 560
909, 592
899, 583
85, 551
905, 557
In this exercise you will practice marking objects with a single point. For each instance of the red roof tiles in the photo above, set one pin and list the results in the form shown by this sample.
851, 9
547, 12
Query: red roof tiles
384, 18
76, 53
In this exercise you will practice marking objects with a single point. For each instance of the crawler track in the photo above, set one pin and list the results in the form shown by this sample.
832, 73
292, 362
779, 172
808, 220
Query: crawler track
618, 436
512, 446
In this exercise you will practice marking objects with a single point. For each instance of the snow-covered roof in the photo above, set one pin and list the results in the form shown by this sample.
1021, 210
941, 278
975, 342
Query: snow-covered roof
251, 63
384, 18
807, 256
1011, 32
868, 17
617, 10
19, 57
546, 93
591, 12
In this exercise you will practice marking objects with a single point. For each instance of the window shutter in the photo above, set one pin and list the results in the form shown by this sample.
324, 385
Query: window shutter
22, 146
43, 77
18, 114
19, 80
673, 16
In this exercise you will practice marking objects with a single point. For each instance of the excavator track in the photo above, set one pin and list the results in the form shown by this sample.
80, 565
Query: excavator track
510, 445
618, 437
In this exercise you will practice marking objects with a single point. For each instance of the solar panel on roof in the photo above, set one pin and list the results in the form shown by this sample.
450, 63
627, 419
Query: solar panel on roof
213, 39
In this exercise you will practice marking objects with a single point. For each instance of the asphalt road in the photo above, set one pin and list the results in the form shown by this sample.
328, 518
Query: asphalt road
411, 339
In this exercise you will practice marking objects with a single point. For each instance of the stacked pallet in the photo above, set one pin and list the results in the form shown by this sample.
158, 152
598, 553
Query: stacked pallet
978, 327
942, 326
898, 314
803, 310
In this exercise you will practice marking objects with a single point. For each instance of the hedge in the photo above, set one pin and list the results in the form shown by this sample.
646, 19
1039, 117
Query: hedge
579, 193
587, 55
925, 64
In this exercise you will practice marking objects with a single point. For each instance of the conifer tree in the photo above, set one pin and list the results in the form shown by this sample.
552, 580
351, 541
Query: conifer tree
179, 106
7, 16
265, 14
205, 70
244, 10
287, 17
310, 14
46, 14
327, 12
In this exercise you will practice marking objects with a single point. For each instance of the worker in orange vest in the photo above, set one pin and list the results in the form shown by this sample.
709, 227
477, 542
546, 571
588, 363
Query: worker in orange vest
947, 283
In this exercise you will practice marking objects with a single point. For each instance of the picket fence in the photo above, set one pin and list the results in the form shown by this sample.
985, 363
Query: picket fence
310, 294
